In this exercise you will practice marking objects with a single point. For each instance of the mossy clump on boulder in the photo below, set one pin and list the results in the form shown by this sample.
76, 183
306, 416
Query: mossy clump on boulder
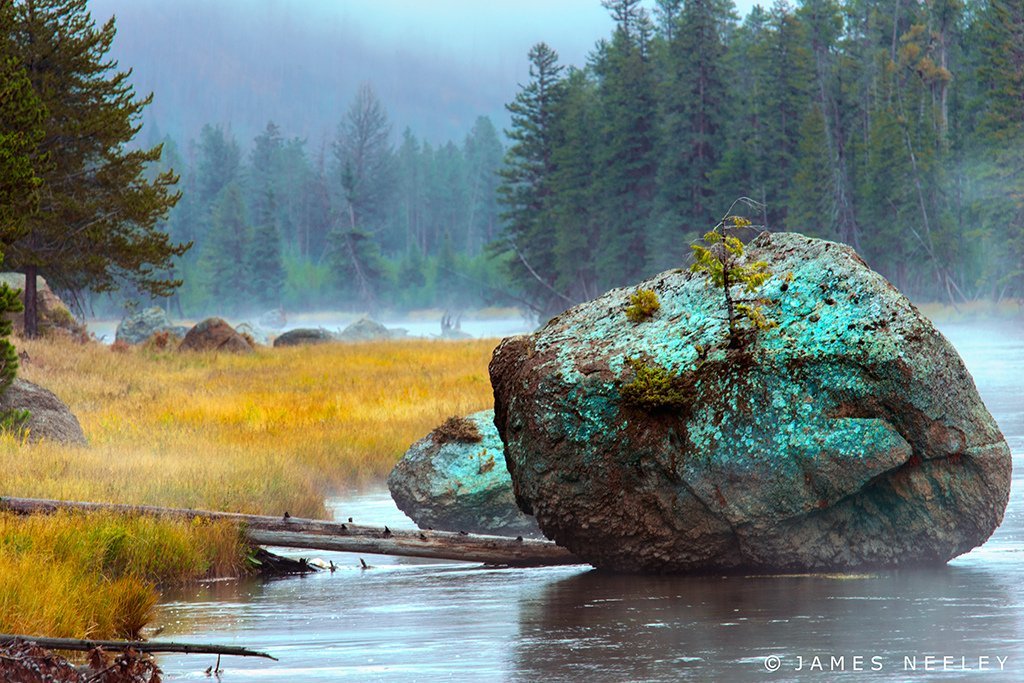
848, 435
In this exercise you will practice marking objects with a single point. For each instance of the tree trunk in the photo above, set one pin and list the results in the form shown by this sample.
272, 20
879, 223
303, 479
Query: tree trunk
31, 303
84, 645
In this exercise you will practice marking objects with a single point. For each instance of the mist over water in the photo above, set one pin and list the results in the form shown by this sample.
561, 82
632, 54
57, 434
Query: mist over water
412, 620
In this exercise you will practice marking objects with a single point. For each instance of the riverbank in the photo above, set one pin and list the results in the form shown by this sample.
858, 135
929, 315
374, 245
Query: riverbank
264, 433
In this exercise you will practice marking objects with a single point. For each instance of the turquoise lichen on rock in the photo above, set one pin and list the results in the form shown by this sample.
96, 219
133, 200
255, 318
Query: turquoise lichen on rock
455, 479
849, 435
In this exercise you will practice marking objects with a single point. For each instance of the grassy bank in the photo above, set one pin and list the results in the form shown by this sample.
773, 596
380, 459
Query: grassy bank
273, 431
262, 433
1008, 310
96, 576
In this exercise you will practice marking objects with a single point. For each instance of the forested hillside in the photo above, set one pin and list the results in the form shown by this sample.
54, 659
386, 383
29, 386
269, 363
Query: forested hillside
895, 127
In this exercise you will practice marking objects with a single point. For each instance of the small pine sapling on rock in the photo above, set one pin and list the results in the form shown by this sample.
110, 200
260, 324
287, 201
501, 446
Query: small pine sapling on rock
643, 304
723, 261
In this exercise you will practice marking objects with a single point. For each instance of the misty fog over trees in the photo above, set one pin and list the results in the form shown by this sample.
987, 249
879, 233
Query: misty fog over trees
897, 128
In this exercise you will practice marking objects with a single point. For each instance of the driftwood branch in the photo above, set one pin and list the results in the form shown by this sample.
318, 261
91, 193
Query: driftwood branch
293, 532
139, 645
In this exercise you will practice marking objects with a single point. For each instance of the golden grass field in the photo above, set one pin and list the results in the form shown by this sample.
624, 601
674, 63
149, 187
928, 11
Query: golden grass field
269, 432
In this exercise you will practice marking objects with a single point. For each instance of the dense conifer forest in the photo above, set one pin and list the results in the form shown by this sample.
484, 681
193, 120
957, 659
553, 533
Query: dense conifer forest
895, 127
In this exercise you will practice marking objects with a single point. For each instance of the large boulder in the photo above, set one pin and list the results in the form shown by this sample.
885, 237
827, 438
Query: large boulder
214, 334
849, 435
141, 325
303, 336
364, 329
48, 419
53, 315
454, 479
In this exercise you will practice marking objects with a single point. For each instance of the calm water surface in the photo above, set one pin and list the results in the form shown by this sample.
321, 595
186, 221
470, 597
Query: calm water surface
422, 621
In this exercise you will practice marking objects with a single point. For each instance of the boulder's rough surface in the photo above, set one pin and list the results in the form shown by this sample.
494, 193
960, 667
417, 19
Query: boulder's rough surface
213, 334
850, 435
304, 336
54, 315
49, 418
454, 479
364, 329
141, 325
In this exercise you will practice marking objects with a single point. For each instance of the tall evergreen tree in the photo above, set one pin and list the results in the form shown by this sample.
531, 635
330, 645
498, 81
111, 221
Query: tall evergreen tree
225, 254
363, 157
627, 154
694, 111
528, 240
96, 227
1000, 140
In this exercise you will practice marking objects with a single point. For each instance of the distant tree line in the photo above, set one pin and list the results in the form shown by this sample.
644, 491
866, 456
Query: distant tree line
895, 127
356, 222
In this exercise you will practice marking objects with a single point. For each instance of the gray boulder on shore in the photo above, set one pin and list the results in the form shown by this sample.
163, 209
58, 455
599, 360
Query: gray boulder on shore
454, 479
365, 329
141, 325
849, 435
49, 418
304, 336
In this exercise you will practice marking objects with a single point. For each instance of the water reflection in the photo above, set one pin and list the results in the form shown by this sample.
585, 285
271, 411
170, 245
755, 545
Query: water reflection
605, 627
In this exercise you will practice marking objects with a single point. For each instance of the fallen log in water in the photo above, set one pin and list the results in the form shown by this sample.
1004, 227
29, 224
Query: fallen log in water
292, 532
80, 645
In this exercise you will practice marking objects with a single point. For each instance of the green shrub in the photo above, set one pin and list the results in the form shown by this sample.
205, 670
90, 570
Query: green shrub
643, 304
653, 388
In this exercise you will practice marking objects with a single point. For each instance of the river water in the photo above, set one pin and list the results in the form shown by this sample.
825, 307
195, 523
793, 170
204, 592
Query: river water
410, 620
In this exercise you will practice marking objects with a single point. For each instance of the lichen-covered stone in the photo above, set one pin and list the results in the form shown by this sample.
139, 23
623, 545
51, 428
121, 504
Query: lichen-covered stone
849, 435
49, 418
454, 479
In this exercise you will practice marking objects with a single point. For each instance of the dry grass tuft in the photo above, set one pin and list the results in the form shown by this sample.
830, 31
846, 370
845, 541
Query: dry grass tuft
457, 428
95, 576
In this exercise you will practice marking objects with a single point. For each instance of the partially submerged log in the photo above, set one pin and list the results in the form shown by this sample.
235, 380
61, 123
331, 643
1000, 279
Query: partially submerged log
292, 532
81, 645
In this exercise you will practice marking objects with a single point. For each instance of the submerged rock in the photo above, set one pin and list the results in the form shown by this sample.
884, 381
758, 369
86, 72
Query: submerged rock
303, 337
849, 435
214, 334
49, 418
454, 479
141, 325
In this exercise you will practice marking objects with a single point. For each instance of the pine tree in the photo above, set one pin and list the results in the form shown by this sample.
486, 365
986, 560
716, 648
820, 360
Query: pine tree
263, 258
363, 158
527, 242
626, 155
1000, 140
694, 112
225, 254
482, 152
96, 227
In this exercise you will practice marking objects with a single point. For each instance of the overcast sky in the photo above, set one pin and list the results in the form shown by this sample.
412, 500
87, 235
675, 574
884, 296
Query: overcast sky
436, 64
